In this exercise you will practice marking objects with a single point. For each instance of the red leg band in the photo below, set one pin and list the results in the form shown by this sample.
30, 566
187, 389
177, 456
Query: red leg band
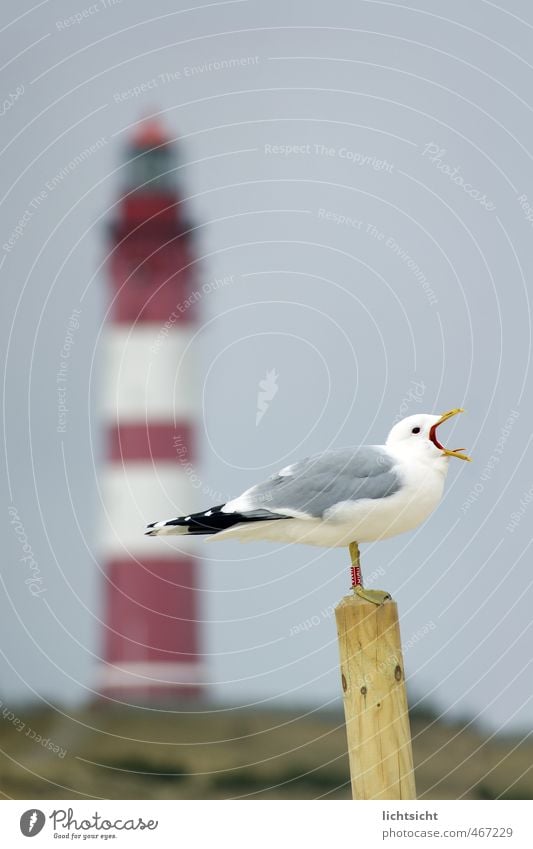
356, 576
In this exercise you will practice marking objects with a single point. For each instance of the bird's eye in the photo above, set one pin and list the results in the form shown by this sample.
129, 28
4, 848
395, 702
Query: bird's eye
415, 430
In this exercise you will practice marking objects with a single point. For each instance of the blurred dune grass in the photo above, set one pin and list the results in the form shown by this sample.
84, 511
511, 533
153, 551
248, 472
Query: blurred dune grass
195, 753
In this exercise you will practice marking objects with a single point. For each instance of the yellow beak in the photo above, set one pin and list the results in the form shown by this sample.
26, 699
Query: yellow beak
457, 452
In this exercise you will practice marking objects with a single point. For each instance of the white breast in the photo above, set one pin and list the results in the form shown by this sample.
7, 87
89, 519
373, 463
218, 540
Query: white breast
406, 509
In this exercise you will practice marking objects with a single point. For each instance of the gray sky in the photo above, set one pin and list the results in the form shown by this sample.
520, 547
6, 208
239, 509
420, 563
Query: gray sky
414, 124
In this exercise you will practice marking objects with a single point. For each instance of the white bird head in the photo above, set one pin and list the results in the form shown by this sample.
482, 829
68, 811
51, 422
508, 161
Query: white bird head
418, 434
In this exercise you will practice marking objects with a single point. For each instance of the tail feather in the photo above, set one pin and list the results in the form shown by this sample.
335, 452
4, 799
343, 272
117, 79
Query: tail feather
207, 522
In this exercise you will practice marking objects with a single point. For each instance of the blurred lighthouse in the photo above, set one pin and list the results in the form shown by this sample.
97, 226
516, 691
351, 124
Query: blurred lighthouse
152, 641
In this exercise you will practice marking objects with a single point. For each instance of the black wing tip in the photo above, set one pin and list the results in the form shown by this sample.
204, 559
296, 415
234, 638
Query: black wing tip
210, 521
151, 529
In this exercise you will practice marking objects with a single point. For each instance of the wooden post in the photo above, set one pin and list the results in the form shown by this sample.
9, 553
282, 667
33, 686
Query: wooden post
375, 701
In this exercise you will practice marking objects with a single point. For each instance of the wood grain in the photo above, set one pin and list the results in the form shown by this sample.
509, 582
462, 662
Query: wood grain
375, 702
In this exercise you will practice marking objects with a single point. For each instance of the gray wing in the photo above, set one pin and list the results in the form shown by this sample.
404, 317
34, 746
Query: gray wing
314, 485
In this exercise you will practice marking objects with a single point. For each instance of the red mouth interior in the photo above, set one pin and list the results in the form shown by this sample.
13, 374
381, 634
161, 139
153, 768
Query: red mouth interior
433, 437
435, 441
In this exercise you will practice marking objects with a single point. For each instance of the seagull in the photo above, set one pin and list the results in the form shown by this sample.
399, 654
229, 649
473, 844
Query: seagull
340, 497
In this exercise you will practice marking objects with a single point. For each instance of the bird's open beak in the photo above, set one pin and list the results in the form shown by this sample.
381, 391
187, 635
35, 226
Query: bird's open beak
457, 452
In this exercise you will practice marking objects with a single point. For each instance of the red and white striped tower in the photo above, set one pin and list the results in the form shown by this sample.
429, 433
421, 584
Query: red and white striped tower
152, 640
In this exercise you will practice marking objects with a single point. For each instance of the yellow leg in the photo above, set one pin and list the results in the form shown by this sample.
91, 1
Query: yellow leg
373, 596
355, 555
